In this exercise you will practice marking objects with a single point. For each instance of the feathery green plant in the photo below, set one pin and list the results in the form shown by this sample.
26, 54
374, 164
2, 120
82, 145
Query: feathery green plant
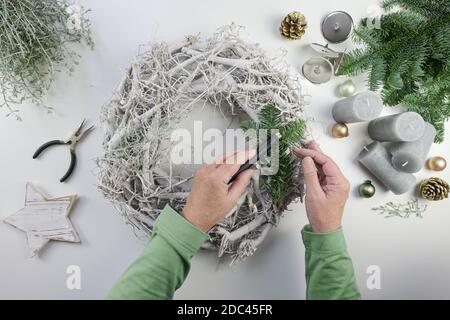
34, 45
408, 57
292, 132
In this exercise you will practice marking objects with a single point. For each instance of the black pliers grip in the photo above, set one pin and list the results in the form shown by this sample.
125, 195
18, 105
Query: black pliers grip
73, 156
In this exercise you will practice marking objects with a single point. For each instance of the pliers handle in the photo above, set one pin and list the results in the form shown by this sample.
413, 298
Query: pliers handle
73, 156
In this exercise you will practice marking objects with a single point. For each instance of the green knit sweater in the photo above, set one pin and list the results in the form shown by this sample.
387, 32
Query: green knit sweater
165, 262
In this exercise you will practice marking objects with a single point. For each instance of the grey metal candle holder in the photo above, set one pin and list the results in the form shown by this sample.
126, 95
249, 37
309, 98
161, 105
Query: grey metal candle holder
337, 26
321, 69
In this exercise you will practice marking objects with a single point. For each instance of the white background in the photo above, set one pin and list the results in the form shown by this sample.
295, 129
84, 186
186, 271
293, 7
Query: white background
413, 254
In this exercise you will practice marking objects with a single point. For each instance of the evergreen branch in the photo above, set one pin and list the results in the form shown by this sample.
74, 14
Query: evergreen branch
355, 62
406, 57
270, 117
376, 74
428, 8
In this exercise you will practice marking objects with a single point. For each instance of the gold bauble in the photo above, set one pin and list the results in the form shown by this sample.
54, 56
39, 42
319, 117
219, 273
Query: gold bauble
340, 130
436, 163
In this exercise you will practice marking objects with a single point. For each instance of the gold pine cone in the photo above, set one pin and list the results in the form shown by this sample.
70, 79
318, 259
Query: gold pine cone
294, 25
434, 189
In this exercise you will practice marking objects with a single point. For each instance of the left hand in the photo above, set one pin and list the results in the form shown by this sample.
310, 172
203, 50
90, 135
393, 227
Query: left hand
327, 189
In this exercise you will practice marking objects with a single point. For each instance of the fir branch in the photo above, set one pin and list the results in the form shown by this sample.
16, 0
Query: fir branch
270, 117
428, 8
405, 56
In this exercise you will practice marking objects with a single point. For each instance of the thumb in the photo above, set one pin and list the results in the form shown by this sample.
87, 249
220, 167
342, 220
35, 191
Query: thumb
310, 175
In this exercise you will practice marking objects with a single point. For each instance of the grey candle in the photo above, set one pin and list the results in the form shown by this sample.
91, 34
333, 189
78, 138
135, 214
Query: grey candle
377, 160
411, 156
406, 126
364, 106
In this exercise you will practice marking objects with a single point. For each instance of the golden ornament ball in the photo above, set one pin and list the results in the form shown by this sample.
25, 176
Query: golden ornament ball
437, 163
340, 130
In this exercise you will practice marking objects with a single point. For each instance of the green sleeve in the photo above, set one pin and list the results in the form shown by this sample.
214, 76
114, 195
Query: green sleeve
329, 269
165, 261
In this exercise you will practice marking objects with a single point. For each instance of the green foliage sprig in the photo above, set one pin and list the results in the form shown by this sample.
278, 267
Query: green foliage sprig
291, 133
34, 45
408, 56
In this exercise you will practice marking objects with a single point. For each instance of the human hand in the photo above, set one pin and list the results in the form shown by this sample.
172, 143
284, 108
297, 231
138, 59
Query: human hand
211, 197
327, 189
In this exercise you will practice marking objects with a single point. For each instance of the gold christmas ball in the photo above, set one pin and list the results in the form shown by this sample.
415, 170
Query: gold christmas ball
340, 130
436, 163
347, 88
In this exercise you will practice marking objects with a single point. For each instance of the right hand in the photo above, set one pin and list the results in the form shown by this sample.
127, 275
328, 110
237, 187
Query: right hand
211, 197
327, 189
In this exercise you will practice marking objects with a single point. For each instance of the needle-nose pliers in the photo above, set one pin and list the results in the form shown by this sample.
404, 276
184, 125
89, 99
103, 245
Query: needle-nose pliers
71, 142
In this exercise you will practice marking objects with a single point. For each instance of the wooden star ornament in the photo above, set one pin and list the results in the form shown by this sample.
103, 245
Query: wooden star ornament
44, 219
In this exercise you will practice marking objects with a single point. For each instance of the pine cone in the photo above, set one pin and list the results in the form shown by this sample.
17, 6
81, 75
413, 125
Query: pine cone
293, 25
434, 189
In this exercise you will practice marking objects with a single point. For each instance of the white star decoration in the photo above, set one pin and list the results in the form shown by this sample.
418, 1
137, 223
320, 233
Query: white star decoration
44, 219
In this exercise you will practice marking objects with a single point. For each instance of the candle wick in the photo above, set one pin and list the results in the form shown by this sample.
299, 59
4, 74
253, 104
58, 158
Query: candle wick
365, 148
367, 102
404, 164
336, 26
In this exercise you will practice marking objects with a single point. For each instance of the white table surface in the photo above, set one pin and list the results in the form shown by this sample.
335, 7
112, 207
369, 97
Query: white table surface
413, 255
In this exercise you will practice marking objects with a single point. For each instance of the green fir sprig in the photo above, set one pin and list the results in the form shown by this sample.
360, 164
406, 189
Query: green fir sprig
34, 46
270, 117
408, 57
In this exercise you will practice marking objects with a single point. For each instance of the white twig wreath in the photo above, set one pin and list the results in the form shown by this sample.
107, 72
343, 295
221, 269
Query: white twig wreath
158, 91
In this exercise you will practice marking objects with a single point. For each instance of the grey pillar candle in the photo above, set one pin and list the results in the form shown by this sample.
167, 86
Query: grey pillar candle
406, 126
364, 106
411, 156
377, 159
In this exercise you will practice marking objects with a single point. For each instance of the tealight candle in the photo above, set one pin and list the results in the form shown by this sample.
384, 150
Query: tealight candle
406, 126
411, 156
363, 106
376, 158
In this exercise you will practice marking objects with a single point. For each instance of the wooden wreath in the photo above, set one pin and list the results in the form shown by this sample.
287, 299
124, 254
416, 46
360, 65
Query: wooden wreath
158, 91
